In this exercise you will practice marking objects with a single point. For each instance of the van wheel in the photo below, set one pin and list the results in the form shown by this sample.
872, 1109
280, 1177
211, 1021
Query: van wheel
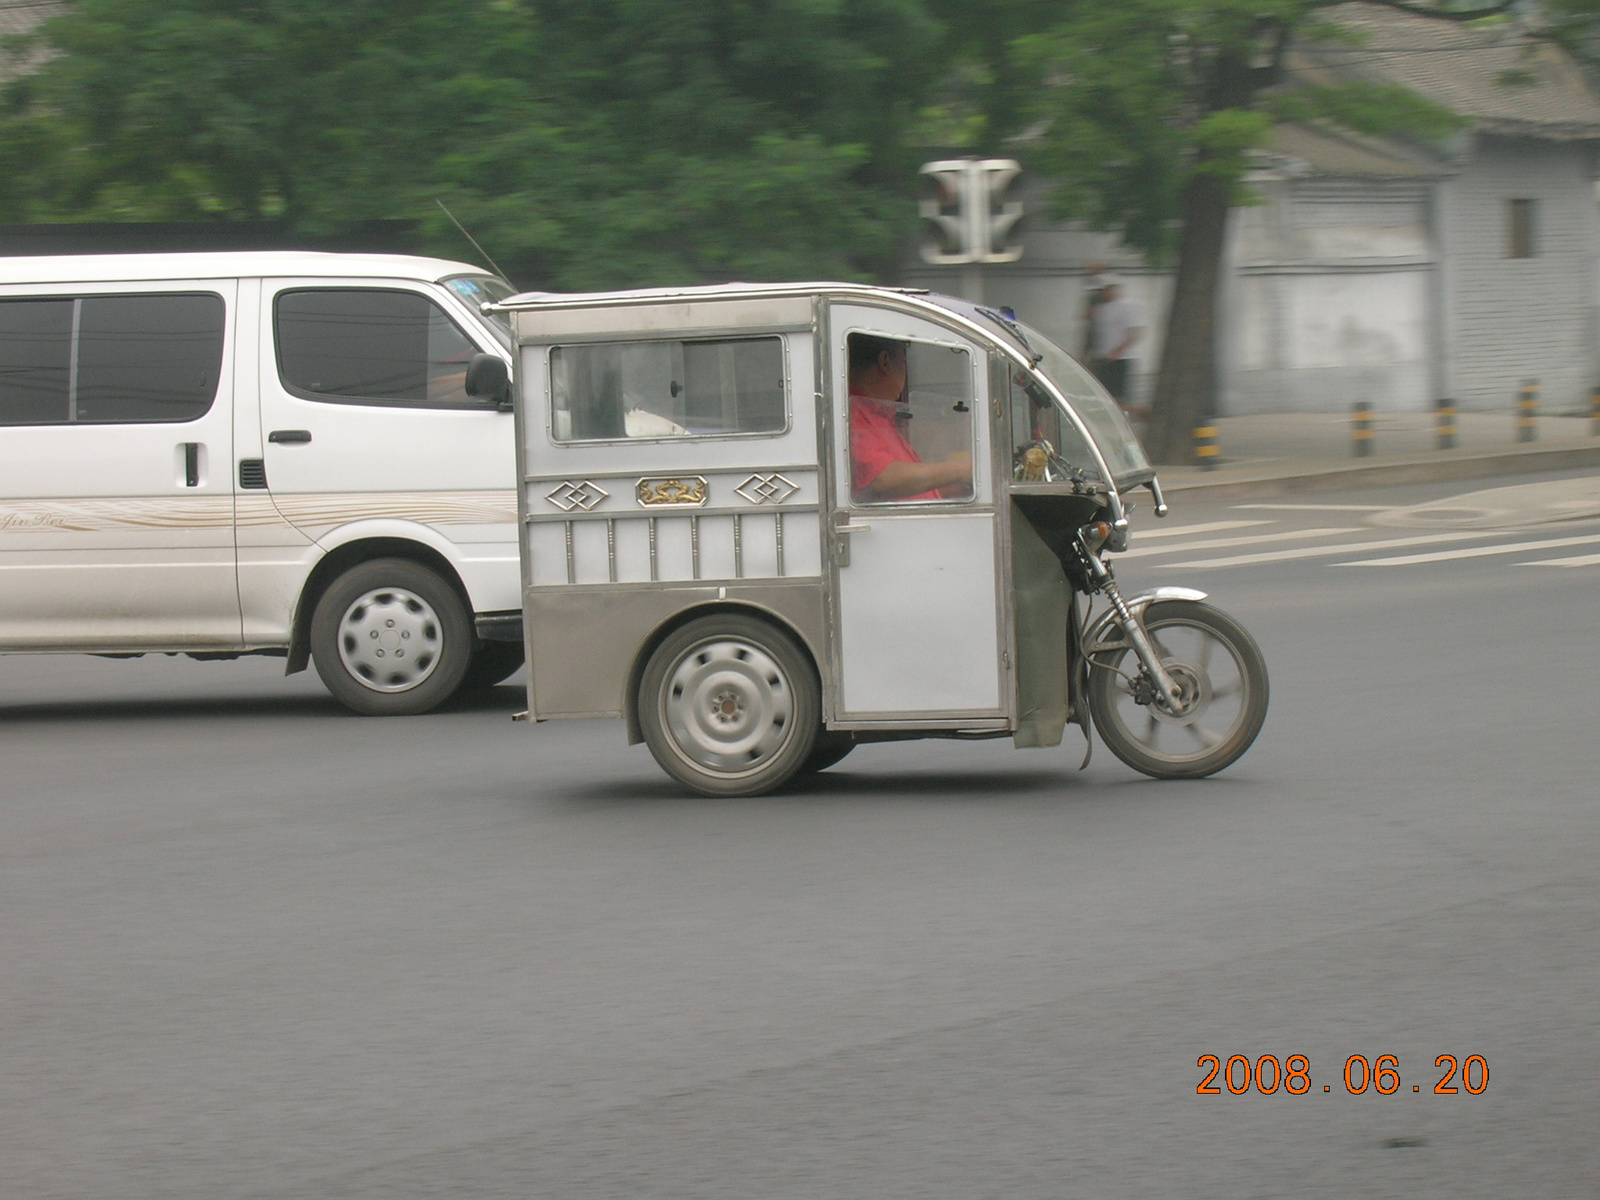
729, 706
390, 638
492, 663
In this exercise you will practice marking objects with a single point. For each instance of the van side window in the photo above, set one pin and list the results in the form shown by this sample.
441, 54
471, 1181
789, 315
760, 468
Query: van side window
109, 359
371, 346
667, 389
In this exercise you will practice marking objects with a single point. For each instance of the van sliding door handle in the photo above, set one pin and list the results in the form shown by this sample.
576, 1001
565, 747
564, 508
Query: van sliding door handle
289, 437
191, 464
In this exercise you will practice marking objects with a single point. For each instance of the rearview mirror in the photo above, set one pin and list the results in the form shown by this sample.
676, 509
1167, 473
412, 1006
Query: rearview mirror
489, 379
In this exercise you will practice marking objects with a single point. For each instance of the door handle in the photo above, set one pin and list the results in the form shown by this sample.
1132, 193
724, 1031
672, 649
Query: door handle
841, 545
191, 464
289, 437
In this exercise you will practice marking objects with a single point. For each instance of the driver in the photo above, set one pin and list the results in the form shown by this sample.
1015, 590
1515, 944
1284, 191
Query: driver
883, 466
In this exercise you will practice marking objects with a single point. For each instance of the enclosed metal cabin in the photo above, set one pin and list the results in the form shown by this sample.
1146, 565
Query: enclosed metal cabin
690, 452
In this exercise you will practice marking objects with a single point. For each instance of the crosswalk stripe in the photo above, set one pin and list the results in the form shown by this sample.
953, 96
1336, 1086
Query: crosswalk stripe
1406, 560
1582, 560
1248, 540
1314, 507
1208, 527
1266, 556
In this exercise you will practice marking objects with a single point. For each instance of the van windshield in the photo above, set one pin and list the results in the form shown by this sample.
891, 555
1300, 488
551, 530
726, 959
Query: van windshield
478, 290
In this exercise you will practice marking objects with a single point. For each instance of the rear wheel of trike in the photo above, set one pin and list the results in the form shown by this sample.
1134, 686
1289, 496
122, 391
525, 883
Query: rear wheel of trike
729, 705
1223, 681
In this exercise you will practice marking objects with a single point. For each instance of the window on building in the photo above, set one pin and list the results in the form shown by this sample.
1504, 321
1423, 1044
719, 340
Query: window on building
667, 389
371, 346
109, 360
1524, 230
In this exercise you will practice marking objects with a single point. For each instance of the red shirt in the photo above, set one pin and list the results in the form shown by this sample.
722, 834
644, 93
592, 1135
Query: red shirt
875, 442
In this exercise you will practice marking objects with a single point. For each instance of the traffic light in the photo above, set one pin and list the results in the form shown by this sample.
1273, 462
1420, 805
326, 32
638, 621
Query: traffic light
971, 218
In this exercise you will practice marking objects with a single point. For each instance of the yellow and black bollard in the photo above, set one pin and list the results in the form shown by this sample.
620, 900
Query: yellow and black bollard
1528, 412
1445, 424
1206, 448
1361, 428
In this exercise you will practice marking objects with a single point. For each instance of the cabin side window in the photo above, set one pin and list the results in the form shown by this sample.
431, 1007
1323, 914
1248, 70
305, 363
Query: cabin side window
638, 391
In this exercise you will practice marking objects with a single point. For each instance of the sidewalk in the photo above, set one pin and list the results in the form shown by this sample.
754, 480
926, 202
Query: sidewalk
1277, 454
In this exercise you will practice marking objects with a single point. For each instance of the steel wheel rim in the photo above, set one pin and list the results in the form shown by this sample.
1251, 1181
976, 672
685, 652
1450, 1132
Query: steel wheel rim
727, 706
390, 640
1216, 693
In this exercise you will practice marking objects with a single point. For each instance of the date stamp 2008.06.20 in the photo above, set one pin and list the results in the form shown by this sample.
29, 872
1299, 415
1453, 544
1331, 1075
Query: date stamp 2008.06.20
1270, 1075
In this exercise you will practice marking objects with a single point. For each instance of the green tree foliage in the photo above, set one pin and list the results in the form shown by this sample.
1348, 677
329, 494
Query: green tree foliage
586, 145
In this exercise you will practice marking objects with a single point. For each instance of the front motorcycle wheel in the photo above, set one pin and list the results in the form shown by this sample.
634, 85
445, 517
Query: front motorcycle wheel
1223, 702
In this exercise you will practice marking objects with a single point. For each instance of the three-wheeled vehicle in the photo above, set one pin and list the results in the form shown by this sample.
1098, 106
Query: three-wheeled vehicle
764, 524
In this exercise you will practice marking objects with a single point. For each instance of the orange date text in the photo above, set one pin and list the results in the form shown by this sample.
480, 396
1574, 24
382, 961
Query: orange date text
1268, 1074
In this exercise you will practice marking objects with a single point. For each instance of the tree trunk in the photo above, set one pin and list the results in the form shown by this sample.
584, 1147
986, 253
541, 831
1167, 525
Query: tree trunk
1186, 385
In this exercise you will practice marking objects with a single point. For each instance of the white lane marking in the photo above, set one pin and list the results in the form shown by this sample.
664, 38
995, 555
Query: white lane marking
1253, 539
1244, 560
1582, 560
1315, 507
1406, 560
1208, 527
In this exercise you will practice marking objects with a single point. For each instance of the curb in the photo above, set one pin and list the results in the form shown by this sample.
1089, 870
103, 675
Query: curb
1397, 471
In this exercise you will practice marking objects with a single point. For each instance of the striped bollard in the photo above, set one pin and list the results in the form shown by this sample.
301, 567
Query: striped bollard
1528, 412
1446, 424
1361, 428
1205, 447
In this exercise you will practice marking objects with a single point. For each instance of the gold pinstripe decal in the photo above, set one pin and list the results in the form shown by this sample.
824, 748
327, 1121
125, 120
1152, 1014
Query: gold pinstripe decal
218, 512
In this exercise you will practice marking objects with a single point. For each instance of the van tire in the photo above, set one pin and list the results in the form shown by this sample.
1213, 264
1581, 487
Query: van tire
492, 663
389, 637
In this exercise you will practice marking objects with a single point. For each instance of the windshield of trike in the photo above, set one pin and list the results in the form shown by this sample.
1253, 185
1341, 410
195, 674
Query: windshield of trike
1107, 424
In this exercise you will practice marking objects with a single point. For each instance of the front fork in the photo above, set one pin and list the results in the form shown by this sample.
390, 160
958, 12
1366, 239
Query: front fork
1133, 627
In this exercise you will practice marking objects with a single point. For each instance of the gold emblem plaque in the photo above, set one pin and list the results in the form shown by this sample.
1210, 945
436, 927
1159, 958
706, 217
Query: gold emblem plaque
679, 491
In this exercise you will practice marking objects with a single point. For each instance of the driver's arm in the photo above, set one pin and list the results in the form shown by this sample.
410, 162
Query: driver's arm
900, 479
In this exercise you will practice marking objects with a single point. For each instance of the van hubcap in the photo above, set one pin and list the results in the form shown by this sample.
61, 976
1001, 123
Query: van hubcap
390, 640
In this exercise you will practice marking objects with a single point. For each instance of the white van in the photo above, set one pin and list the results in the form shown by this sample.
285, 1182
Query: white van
262, 453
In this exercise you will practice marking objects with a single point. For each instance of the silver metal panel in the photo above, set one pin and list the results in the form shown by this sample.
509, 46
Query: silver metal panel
555, 498
761, 544
546, 553
591, 559
718, 558
674, 549
633, 551
732, 537
918, 629
650, 320
583, 642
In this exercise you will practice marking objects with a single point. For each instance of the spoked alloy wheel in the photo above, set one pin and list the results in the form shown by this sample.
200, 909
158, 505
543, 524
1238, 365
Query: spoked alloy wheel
729, 706
1223, 680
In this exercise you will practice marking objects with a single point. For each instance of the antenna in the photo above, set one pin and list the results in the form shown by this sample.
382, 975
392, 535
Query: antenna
470, 238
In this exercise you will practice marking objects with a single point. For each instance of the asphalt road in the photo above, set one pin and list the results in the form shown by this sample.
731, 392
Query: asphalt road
253, 947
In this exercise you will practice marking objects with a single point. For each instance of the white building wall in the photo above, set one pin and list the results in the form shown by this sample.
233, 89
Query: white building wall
1512, 319
1328, 301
